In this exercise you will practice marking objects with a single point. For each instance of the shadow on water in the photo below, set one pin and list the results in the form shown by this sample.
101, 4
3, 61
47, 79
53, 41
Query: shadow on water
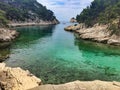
97, 48
30, 34
4, 50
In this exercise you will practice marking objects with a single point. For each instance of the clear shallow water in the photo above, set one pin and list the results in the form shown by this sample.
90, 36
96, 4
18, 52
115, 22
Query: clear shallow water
57, 57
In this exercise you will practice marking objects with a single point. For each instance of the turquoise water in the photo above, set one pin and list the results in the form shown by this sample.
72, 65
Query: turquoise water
55, 56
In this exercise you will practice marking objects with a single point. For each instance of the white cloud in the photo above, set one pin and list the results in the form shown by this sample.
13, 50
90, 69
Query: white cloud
65, 9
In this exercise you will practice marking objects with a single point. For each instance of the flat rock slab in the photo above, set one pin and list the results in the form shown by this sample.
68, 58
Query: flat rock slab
78, 85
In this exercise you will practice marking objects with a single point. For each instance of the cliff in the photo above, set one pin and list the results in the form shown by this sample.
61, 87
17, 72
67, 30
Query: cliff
22, 13
100, 11
25, 11
99, 22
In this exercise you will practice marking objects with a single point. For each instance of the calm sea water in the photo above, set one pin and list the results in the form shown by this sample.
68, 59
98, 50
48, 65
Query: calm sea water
55, 56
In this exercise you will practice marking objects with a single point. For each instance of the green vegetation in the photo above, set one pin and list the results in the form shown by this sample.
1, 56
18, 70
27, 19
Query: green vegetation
24, 10
102, 12
3, 20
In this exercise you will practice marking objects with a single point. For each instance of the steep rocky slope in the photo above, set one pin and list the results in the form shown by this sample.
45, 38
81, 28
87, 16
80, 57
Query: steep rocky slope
99, 22
20, 11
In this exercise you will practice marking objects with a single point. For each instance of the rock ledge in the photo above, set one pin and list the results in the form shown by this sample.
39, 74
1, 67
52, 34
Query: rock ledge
82, 85
7, 35
16, 79
97, 33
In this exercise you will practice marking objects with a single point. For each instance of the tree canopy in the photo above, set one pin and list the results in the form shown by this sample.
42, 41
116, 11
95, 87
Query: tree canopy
25, 10
100, 11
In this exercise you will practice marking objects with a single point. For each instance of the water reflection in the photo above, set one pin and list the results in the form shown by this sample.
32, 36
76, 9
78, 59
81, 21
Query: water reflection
4, 53
88, 46
32, 33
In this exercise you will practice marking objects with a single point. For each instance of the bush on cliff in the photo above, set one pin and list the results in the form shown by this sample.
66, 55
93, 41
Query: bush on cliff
102, 12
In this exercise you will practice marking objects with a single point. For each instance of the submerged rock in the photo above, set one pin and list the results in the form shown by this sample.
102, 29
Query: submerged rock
16, 79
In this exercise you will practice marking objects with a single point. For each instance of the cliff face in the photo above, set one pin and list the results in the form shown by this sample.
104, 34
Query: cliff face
100, 11
26, 11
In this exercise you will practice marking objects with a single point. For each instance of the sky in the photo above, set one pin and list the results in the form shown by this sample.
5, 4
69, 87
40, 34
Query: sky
64, 10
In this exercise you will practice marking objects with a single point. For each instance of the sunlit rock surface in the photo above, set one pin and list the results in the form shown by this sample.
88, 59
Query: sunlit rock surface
16, 79
97, 33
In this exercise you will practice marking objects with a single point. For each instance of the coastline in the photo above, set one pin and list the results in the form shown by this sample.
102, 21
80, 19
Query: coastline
16, 79
7, 35
11, 80
43, 23
97, 33
82, 85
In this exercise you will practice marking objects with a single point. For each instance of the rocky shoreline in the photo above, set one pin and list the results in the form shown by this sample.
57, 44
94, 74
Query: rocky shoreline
18, 79
33, 23
7, 35
82, 85
97, 33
